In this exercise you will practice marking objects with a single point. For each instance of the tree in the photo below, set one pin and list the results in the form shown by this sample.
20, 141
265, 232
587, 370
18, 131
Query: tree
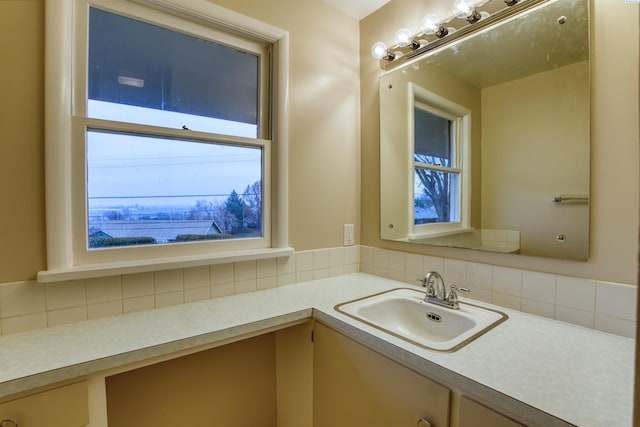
235, 207
201, 211
435, 186
252, 198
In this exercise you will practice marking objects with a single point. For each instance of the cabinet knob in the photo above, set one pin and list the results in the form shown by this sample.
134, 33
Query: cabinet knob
421, 423
8, 423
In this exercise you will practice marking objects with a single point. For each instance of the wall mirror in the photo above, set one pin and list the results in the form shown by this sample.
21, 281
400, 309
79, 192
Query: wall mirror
484, 142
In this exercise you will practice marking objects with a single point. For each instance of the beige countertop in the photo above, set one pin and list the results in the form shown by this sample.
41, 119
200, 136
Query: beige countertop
544, 371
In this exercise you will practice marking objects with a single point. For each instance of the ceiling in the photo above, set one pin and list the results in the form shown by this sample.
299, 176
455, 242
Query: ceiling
357, 8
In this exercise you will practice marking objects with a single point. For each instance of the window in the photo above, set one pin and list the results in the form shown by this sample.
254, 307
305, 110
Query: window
145, 185
440, 170
170, 135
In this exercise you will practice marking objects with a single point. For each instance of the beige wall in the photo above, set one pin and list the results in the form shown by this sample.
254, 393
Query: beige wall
22, 244
614, 151
541, 147
324, 133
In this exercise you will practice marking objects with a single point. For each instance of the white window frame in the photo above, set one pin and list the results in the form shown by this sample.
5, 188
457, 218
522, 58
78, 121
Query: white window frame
65, 126
461, 118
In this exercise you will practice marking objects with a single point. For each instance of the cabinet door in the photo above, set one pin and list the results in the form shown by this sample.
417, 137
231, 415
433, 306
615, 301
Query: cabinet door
357, 387
473, 414
61, 407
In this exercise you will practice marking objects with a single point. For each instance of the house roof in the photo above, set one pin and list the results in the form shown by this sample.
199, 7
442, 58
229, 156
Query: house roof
160, 230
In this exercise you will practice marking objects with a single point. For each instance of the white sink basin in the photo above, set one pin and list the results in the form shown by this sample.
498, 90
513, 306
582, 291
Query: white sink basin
404, 314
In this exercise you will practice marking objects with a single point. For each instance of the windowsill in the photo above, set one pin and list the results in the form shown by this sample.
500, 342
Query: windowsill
143, 266
451, 232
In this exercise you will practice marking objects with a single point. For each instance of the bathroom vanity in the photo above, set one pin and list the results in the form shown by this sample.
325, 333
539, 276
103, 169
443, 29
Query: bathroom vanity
285, 357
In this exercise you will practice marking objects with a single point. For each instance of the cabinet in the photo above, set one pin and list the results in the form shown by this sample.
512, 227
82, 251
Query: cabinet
355, 386
231, 385
65, 406
472, 414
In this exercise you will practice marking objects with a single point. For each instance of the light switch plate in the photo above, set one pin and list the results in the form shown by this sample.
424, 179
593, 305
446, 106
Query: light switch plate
349, 235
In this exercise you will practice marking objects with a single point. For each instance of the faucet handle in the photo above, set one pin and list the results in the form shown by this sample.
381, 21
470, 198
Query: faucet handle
453, 292
461, 290
428, 284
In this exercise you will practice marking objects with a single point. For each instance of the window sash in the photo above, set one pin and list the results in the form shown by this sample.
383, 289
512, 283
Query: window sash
180, 25
460, 162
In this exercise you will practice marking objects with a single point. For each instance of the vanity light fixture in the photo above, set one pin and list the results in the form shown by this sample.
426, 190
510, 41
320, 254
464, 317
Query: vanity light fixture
431, 24
466, 9
434, 33
404, 38
379, 50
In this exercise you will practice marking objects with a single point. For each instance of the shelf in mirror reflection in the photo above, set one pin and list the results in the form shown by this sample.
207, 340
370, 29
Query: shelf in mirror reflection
500, 241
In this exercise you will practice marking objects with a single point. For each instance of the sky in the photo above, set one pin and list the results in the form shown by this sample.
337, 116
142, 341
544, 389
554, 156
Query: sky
135, 167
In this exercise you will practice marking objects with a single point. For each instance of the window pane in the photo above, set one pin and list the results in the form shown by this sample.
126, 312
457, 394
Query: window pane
147, 74
147, 190
432, 139
435, 196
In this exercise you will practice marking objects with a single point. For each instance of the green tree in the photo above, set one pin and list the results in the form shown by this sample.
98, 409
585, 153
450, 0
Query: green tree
235, 207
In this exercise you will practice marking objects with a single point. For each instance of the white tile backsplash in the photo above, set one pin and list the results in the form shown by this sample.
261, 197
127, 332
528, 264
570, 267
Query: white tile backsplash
141, 303
66, 315
575, 316
479, 276
507, 281
104, 309
539, 287
65, 294
576, 293
246, 270
609, 307
616, 300
455, 272
336, 257
168, 281
320, 259
20, 299
104, 289
606, 306
197, 294
304, 261
196, 277
137, 285
543, 309
430, 263
221, 274
169, 298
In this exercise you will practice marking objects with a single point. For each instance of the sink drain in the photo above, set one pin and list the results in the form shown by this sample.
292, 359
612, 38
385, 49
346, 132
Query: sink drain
433, 316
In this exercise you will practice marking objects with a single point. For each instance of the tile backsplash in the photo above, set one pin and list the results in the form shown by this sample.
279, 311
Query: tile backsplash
609, 307
30, 305
605, 306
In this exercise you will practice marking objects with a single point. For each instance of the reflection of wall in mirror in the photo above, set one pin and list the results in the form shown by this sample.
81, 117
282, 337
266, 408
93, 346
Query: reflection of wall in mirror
543, 135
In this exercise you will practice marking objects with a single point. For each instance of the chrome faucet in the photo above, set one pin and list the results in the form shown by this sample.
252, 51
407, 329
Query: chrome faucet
436, 292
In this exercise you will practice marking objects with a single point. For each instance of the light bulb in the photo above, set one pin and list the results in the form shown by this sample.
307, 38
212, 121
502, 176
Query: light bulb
403, 37
430, 24
463, 8
379, 50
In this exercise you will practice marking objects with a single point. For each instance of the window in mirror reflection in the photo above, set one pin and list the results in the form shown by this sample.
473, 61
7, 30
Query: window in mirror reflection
437, 171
